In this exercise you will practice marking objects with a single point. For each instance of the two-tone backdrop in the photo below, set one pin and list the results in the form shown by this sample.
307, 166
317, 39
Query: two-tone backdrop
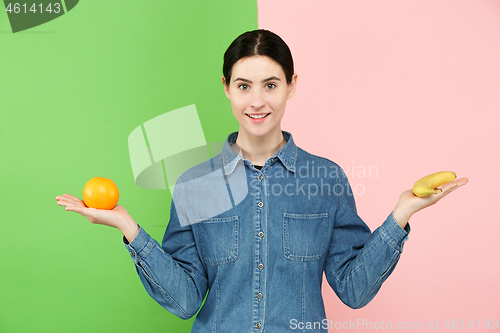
390, 90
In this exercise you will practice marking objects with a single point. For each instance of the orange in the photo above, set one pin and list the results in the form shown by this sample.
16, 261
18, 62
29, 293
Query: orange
100, 192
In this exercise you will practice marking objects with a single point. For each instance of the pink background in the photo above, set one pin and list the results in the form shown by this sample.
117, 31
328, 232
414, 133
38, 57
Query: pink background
404, 89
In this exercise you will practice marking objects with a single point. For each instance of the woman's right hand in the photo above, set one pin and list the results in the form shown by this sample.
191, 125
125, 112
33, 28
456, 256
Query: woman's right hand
117, 217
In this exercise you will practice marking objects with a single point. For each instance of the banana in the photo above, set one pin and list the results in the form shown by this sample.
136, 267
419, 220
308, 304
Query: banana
427, 185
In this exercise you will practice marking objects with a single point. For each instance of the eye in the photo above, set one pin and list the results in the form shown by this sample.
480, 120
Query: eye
270, 86
244, 86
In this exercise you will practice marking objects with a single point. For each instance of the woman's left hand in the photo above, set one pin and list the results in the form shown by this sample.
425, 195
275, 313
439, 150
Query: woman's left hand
409, 203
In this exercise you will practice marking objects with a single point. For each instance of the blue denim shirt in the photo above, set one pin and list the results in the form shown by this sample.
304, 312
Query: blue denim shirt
258, 241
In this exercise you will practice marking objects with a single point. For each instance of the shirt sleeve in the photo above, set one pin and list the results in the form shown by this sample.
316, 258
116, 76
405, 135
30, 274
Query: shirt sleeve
172, 274
360, 261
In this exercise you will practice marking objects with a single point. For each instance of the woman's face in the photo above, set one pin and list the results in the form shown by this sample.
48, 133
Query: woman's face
258, 92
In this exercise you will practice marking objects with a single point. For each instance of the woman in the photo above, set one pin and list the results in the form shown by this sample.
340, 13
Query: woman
257, 225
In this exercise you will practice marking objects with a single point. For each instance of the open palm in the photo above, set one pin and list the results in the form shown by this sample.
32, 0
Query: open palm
113, 217
409, 203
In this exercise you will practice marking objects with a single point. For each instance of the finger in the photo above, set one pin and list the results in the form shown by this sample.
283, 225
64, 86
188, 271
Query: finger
65, 202
84, 211
69, 197
72, 208
80, 210
451, 186
63, 198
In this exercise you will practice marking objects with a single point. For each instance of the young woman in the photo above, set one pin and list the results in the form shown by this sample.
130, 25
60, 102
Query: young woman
254, 228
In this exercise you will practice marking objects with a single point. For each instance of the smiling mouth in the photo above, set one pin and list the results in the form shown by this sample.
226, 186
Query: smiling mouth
258, 116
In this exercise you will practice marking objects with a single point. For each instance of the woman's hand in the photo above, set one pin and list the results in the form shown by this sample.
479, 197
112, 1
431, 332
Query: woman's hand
117, 217
409, 203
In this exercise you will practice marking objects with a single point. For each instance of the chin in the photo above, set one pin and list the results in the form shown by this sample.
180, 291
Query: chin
261, 132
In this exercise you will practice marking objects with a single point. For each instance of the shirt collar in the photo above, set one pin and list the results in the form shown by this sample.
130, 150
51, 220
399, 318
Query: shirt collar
287, 154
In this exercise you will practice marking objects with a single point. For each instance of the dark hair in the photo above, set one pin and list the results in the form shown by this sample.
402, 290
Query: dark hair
258, 42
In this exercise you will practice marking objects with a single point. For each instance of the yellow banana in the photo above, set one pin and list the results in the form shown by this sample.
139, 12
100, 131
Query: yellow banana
427, 185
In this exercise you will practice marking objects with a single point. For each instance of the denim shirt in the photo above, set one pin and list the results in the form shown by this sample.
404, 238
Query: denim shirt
256, 243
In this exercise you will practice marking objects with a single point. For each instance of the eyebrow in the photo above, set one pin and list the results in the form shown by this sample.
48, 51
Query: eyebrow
272, 78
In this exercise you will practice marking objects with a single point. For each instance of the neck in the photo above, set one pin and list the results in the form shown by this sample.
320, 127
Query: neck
258, 149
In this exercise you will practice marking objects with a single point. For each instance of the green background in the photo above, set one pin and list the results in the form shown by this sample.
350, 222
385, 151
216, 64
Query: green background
71, 92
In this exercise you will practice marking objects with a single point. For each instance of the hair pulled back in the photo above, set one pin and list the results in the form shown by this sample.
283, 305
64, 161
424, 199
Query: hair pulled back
258, 42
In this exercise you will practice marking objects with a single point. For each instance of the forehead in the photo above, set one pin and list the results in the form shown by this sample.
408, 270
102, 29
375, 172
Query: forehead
257, 66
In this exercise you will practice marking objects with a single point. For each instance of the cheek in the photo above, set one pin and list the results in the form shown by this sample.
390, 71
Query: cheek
236, 104
278, 101
238, 101
237, 107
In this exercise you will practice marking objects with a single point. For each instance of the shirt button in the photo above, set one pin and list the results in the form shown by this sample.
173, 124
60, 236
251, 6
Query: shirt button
258, 325
261, 266
133, 254
260, 177
259, 295
260, 204
261, 234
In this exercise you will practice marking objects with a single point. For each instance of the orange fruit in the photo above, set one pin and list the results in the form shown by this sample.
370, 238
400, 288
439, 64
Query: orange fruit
100, 192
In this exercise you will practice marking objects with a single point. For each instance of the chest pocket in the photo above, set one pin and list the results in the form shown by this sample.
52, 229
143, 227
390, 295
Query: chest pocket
218, 240
304, 236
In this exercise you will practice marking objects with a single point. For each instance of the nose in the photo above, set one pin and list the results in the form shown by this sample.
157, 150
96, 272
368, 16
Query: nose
257, 100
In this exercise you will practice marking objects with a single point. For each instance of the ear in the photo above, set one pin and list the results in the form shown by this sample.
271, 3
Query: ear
292, 86
226, 87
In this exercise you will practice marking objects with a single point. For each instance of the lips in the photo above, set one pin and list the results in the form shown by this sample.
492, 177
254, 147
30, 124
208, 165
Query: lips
257, 115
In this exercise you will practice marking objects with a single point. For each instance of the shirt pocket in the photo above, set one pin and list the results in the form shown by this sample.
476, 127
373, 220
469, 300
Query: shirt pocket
218, 240
304, 236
